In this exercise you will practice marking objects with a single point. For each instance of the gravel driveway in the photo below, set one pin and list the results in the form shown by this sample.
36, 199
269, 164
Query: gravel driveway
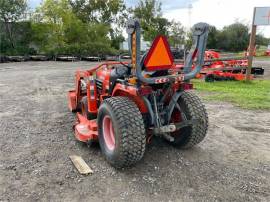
231, 164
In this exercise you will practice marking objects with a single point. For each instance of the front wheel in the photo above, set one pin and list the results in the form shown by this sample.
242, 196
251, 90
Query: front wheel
121, 131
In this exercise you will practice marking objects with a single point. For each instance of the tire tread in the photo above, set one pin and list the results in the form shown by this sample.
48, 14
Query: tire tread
196, 110
131, 127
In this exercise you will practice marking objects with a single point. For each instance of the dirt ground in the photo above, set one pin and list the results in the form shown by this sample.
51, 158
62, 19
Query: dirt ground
231, 164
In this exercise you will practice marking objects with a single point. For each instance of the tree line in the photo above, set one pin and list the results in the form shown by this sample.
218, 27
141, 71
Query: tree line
94, 27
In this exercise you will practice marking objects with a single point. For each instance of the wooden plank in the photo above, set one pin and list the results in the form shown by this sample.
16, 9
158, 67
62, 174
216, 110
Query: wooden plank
80, 164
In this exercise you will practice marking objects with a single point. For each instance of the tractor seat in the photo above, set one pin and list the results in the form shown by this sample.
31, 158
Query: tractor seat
118, 72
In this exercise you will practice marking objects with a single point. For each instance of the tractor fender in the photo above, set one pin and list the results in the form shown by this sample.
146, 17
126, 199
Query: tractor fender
132, 93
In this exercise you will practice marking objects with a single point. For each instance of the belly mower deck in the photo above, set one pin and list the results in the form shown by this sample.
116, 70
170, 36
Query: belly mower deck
85, 130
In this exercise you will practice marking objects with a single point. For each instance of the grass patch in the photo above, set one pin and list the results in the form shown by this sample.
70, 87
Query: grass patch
250, 95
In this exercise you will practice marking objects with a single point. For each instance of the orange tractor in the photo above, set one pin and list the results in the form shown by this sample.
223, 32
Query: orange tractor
123, 105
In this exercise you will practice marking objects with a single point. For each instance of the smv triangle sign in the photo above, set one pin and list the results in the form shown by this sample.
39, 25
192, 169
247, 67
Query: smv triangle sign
159, 56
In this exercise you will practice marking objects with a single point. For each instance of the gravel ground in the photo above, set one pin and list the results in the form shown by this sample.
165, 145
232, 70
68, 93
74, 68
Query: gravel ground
231, 164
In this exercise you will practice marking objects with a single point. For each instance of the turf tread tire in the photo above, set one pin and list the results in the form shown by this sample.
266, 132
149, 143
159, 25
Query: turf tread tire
131, 138
193, 108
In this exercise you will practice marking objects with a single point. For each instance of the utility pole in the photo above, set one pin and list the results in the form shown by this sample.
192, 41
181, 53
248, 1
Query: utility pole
251, 47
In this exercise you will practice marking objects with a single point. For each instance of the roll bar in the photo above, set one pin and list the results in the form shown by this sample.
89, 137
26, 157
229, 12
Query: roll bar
200, 34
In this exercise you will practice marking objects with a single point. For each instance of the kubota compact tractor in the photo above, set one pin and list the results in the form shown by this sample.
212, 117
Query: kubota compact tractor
122, 105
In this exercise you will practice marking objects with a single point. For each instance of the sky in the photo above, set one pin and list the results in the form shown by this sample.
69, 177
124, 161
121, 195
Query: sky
215, 12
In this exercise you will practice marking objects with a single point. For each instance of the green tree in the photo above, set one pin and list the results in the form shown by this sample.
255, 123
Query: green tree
10, 12
176, 34
233, 37
22, 35
116, 38
59, 31
99, 11
105, 12
261, 40
51, 14
150, 16
97, 41
189, 40
212, 37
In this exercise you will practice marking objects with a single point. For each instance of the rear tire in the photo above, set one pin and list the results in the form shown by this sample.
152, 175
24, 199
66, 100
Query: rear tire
127, 127
192, 108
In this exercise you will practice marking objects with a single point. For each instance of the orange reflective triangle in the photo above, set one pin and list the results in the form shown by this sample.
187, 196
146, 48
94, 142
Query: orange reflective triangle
159, 56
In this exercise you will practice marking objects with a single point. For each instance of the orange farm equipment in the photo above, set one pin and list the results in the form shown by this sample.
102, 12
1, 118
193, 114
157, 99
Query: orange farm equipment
220, 69
123, 105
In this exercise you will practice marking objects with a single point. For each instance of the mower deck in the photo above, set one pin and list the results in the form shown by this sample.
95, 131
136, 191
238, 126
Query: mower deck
85, 130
